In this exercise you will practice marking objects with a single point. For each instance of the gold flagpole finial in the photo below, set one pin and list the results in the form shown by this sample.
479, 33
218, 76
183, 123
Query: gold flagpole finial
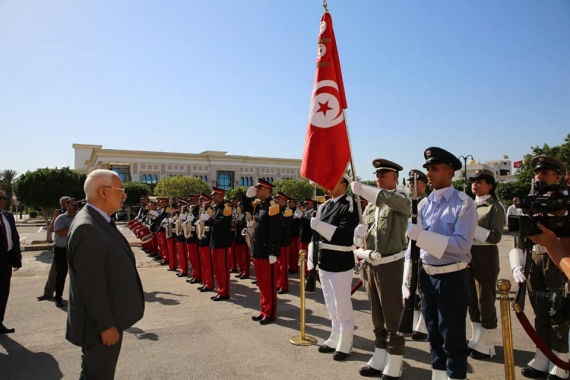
325, 5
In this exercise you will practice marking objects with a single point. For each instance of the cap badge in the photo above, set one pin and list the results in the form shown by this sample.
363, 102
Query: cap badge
428, 152
540, 159
478, 171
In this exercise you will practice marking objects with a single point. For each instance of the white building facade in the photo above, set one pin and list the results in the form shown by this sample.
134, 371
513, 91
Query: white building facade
217, 168
502, 169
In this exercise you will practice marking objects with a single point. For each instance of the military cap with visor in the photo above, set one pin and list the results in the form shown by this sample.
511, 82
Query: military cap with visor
435, 155
546, 162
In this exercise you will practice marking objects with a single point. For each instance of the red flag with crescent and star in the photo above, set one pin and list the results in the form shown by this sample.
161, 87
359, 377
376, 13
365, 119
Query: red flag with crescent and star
327, 149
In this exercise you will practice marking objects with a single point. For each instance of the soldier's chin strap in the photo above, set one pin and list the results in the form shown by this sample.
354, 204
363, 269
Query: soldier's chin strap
540, 344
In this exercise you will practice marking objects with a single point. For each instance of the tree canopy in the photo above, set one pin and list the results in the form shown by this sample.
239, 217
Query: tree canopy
179, 186
561, 152
135, 190
42, 188
7, 179
294, 188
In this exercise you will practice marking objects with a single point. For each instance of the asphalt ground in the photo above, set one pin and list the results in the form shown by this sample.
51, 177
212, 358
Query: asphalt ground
184, 335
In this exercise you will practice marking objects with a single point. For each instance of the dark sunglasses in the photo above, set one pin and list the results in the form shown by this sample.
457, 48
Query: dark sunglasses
4, 198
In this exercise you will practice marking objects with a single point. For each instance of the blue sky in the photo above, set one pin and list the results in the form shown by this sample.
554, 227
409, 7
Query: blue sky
486, 77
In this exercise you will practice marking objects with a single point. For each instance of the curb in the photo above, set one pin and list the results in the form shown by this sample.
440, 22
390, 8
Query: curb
48, 247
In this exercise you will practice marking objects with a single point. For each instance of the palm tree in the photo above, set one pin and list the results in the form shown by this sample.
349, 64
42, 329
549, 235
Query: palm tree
7, 179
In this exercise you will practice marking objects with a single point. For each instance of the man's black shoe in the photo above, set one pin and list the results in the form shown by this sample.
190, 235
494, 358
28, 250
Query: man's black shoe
180, 274
369, 372
254, 282
340, 356
58, 302
238, 275
194, 281
45, 297
478, 355
6, 330
233, 271
265, 321
257, 318
220, 298
204, 289
201, 287
532, 373
282, 291
419, 336
164, 262
324, 349
243, 277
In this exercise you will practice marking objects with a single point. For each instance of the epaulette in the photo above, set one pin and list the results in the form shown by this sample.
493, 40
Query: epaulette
273, 208
288, 212
465, 198
227, 210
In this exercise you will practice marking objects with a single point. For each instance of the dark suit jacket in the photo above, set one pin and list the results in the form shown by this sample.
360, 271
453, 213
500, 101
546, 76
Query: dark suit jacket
104, 286
16, 253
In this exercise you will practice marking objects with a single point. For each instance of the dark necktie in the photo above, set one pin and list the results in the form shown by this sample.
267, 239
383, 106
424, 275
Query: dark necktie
4, 232
112, 222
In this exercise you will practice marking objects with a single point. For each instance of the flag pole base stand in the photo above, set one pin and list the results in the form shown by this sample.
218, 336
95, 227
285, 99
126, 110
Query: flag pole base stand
307, 340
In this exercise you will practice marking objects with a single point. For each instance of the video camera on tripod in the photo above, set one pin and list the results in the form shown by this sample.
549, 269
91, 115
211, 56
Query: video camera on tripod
536, 209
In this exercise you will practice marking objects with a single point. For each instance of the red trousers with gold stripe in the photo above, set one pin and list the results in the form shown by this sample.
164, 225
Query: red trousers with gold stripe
282, 269
171, 254
266, 275
162, 246
182, 257
221, 270
194, 257
206, 267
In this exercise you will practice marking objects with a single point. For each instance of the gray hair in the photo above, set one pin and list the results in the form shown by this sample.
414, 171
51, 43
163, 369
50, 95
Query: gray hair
65, 198
96, 179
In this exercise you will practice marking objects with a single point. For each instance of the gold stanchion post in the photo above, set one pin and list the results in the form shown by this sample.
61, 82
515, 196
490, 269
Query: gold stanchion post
302, 340
504, 287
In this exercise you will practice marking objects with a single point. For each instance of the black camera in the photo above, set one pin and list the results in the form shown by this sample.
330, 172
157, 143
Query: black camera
558, 300
535, 208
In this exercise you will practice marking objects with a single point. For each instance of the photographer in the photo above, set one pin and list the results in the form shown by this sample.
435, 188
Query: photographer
49, 288
61, 228
544, 275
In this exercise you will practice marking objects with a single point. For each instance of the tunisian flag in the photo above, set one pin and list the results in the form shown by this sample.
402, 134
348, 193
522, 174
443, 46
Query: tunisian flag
327, 149
517, 164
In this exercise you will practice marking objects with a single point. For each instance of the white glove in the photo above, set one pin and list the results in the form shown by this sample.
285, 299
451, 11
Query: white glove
272, 259
191, 218
298, 214
518, 274
155, 213
182, 217
204, 216
196, 223
251, 192
314, 222
414, 231
356, 187
361, 230
249, 223
171, 220
405, 280
164, 221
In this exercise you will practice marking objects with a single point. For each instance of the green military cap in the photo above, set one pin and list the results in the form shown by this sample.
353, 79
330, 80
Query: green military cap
382, 164
420, 176
546, 162
435, 155
487, 175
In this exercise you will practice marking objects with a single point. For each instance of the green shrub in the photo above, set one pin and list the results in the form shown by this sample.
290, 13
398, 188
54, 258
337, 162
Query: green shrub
33, 214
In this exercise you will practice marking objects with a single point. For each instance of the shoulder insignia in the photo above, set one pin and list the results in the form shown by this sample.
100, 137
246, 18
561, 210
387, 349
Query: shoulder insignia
288, 212
167, 210
227, 210
274, 209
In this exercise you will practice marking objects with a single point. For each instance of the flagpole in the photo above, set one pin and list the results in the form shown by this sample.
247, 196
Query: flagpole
325, 5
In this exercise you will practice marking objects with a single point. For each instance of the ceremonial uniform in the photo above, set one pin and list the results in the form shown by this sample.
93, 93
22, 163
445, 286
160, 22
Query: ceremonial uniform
295, 235
335, 222
241, 248
192, 240
444, 232
265, 249
141, 217
283, 259
158, 226
220, 243
420, 331
206, 267
544, 274
305, 230
484, 270
180, 240
382, 277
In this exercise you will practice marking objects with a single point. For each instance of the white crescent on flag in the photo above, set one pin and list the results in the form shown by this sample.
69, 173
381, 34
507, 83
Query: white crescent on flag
325, 109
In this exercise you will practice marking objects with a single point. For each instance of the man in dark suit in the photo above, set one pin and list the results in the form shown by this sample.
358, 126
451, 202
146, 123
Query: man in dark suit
10, 257
105, 293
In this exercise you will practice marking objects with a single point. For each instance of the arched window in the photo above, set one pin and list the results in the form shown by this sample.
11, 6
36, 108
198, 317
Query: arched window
143, 178
224, 181
154, 179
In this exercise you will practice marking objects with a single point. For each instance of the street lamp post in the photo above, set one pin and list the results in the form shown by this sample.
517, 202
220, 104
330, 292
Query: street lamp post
464, 158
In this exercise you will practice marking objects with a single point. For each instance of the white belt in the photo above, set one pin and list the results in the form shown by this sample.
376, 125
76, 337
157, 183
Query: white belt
388, 259
333, 247
482, 244
432, 270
